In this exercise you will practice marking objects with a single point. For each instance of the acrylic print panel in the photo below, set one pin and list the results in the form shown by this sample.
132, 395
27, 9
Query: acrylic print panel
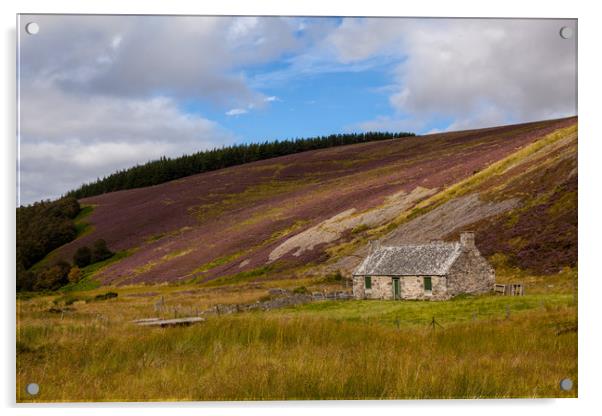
273, 208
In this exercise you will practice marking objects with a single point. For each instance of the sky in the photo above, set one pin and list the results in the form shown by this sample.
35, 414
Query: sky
102, 93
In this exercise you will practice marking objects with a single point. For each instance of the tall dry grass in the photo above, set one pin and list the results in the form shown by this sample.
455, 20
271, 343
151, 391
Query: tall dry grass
288, 355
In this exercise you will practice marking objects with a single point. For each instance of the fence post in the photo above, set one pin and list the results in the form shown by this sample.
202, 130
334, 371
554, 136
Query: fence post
434, 323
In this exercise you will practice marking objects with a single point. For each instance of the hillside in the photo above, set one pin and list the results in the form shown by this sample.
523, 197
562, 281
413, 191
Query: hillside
314, 212
167, 169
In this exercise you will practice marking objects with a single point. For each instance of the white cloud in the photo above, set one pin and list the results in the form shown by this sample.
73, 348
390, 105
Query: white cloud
251, 106
236, 112
475, 71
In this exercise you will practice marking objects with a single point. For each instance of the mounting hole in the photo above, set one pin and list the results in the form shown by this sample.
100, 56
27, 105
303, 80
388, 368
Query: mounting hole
566, 32
32, 28
566, 384
33, 389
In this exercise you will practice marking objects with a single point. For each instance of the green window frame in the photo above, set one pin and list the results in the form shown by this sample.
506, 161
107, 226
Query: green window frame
428, 284
368, 282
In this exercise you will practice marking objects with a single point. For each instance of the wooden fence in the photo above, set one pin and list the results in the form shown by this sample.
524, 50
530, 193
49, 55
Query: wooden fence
511, 289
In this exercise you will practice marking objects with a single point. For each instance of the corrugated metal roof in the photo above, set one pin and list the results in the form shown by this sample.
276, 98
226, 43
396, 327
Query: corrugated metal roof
410, 260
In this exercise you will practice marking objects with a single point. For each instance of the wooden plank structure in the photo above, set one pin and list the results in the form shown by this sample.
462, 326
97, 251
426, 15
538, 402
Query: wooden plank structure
153, 322
511, 289
138, 321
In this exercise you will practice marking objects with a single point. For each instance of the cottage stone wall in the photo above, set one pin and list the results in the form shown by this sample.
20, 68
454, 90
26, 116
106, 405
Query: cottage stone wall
382, 288
358, 287
411, 287
470, 273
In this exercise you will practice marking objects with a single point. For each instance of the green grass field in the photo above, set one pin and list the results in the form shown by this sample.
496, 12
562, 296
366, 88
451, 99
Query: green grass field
481, 347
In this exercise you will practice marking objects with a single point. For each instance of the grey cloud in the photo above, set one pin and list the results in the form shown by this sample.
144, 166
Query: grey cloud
69, 139
100, 93
136, 56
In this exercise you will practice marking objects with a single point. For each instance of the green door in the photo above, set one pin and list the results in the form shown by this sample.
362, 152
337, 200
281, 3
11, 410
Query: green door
396, 289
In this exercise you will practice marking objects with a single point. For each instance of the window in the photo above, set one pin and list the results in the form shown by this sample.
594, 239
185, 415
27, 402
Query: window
428, 285
368, 282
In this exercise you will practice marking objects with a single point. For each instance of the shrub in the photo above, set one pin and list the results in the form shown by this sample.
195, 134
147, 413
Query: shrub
66, 300
100, 251
71, 300
75, 274
333, 277
105, 296
300, 290
54, 277
82, 257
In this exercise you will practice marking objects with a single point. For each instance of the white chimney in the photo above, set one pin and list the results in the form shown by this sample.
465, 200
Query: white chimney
467, 240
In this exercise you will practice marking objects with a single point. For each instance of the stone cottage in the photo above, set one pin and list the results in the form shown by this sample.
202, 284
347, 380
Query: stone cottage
434, 271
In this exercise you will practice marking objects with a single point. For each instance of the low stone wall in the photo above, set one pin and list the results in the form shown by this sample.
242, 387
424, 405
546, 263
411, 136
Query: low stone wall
282, 299
278, 302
